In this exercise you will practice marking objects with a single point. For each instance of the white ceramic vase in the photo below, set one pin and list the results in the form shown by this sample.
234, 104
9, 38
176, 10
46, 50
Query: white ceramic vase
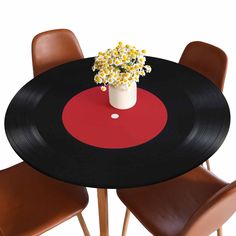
123, 97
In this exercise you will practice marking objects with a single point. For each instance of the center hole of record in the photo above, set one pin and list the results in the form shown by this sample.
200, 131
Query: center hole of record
114, 116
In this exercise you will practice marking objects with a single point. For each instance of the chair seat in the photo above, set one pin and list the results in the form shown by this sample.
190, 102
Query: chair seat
165, 208
31, 203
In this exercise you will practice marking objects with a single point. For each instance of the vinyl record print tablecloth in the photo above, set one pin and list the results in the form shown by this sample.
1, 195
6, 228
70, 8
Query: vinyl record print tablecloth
61, 124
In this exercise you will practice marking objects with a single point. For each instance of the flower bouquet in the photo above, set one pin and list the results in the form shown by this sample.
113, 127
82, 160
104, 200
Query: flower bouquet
120, 68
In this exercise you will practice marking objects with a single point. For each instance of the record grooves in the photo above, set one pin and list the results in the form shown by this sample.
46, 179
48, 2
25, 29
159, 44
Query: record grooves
198, 122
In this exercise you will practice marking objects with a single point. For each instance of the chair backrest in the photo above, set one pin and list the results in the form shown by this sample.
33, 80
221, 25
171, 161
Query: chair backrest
54, 47
213, 214
206, 59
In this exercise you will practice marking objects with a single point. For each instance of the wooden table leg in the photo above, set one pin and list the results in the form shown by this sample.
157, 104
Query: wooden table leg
103, 211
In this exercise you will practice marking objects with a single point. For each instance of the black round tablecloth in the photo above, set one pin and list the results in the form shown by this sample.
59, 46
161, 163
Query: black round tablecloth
198, 122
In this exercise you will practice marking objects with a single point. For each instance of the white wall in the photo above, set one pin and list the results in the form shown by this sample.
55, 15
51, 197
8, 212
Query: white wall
161, 27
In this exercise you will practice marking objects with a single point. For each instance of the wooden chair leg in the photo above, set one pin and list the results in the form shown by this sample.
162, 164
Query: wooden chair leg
126, 222
208, 165
220, 232
83, 225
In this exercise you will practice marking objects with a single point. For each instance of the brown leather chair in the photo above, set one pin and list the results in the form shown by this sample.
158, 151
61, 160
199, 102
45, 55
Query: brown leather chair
32, 203
194, 204
209, 61
53, 48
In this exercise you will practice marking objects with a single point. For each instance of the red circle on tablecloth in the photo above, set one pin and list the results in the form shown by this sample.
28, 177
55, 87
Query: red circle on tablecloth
88, 117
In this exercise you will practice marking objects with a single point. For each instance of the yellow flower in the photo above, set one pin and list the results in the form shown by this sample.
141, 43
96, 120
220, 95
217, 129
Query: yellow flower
117, 62
106, 71
142, 73
133, 50
124, 57
103, 88
148, 68
141, 60
102, 74
144, 51
115, 53
110, 80
114, 75
106, 64
98, 79
122, 50
133, 55
126, 75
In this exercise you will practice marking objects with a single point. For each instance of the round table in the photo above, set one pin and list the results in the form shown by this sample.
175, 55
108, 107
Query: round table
61, 124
